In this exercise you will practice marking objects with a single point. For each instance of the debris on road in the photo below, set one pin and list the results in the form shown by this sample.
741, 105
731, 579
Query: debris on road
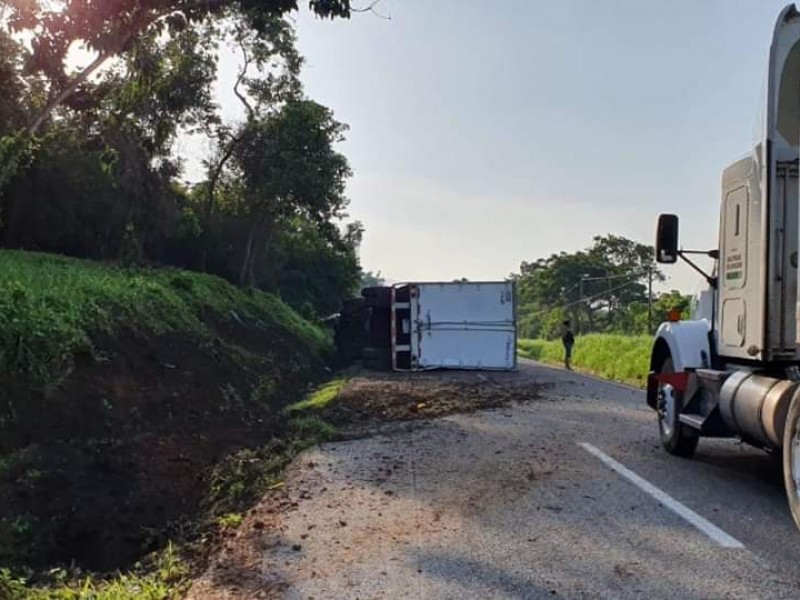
370, 398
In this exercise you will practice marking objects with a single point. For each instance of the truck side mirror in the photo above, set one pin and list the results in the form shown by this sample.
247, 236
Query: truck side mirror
667, 239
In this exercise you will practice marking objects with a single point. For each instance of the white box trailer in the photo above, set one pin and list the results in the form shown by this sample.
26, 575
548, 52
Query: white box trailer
458, 325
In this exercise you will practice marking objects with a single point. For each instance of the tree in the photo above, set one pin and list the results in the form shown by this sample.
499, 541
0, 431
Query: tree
101, 177
370, 279
318, 268
119, 139
592, 287
111, 29
289, 167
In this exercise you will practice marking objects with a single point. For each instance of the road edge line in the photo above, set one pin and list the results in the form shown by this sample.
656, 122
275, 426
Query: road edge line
701, 523
588, 376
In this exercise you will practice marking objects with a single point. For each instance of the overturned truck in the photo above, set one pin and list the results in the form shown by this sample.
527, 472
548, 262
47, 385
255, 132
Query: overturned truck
420, 326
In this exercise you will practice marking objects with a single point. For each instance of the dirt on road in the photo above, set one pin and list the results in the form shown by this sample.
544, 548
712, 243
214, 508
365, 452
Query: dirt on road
370, 404
372, 399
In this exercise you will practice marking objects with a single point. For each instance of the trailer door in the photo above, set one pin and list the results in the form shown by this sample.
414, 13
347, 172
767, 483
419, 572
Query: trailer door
464, 326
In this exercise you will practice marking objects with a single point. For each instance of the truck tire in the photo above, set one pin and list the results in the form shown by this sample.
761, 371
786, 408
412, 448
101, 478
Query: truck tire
791, 458
676, 438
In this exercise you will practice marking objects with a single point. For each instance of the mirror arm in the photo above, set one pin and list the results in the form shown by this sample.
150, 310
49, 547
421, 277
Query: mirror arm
712, 281
710, 253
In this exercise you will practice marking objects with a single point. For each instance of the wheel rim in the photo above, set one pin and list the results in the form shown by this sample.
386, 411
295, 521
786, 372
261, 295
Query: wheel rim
666, 411
795, 458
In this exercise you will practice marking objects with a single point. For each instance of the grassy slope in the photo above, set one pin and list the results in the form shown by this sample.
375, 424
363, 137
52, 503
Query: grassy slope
51, 310
50, 306
618, 357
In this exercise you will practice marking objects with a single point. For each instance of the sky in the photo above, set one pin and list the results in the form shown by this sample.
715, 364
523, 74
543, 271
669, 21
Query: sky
484, 134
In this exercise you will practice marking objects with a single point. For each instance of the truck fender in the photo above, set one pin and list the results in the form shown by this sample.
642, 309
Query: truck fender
686, 342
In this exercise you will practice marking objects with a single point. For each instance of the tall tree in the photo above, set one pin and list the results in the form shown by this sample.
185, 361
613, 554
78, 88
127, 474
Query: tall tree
126, 123
110, 29
591, 287
289, 167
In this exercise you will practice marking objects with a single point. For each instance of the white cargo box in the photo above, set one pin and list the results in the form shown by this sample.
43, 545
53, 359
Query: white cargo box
469, 325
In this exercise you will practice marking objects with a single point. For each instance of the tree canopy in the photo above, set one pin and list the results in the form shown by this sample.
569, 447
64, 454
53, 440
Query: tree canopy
601, 288
111, 28
100, 175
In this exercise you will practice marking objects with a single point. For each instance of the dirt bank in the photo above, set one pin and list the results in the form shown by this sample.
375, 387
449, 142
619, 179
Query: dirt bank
121, 455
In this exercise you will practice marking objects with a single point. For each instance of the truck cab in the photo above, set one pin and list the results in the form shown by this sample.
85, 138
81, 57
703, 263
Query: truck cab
732, 370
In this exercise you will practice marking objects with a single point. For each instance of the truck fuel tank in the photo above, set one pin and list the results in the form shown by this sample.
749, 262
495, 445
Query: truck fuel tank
756, 406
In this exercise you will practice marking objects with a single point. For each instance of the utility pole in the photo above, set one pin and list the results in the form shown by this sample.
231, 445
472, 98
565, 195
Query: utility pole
580, 307
584, 277
650, 299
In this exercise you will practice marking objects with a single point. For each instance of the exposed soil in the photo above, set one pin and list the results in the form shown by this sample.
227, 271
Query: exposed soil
370, 398
117, 459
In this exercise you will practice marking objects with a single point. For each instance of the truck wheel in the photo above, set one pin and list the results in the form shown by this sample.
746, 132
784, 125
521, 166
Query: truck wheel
791, 458
676, 438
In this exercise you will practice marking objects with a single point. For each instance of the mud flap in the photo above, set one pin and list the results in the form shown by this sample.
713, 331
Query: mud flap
677, 380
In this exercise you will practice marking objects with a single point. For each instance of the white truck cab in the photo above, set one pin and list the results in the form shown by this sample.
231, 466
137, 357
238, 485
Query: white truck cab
732, 370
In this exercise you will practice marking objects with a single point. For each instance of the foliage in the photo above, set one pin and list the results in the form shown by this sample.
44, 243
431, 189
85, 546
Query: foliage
88, 168
50, 307
618, 357
311, 429
321, 397
289, 169
166, 578
101, 180
229, 521
113, 29
370, 279
594, 288
242, 478
315, 272
635, 318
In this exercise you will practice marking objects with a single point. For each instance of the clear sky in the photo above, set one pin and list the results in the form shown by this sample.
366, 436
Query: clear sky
488, 133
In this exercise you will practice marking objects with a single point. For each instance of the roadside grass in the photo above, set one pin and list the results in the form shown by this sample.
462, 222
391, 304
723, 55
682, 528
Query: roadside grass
166, 577
50, 306
618, 357
321, 397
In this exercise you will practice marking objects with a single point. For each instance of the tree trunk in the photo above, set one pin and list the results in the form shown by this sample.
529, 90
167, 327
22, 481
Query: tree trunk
246, 270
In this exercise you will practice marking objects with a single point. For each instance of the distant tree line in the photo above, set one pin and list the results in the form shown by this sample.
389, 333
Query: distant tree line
603, 288
91, 165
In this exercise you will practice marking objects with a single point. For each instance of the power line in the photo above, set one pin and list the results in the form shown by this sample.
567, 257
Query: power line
587, 299
635, 274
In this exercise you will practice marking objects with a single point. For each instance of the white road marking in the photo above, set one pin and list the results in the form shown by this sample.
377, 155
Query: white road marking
711, 530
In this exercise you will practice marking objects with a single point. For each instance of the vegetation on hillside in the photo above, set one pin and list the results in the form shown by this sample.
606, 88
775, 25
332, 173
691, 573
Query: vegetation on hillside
92, 171
138, 406
601, 289
51, 308
618, 357
152, 330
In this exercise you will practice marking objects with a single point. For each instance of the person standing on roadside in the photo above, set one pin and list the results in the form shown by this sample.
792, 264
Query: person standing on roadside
568, 339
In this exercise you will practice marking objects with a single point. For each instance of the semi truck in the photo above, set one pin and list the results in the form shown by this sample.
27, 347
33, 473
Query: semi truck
417, 326
733, 369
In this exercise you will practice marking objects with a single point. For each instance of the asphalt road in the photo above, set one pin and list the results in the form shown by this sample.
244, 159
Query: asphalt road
510, 503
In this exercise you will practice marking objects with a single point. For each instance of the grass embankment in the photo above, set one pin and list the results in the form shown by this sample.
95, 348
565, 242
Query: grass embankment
137, 407
51, 307
618, 357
